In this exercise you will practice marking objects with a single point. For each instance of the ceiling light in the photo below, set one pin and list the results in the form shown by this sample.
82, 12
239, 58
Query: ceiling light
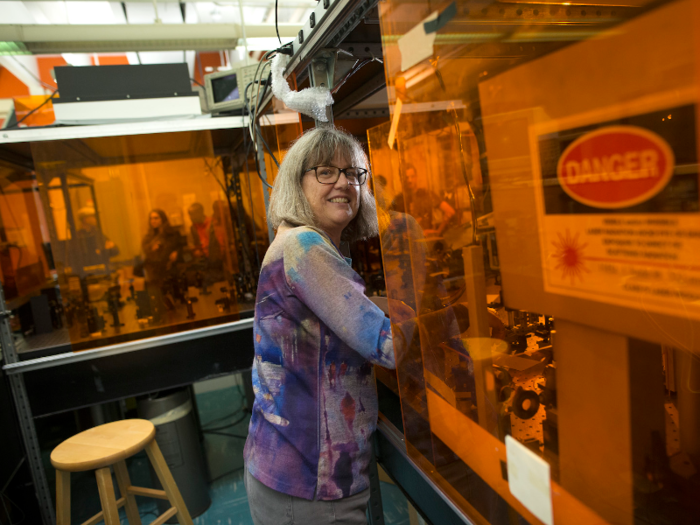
13, 48
62, 38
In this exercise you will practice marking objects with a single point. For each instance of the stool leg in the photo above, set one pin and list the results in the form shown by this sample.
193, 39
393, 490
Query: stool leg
62, 497
124, 482
166, 479
107, 498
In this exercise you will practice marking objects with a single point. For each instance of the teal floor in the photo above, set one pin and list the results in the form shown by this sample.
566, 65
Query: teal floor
224, 456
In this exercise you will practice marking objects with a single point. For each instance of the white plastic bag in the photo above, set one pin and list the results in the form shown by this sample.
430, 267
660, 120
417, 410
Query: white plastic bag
311, 101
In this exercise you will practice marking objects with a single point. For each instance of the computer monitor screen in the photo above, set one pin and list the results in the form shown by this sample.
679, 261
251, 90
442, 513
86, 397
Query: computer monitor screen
225, 88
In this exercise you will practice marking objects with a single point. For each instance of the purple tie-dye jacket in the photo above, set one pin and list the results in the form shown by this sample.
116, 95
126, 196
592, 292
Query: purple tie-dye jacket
316, 337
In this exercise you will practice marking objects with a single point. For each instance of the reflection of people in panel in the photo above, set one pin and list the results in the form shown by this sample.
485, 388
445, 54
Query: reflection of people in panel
431, 211
93, 245
199, 229
160, 246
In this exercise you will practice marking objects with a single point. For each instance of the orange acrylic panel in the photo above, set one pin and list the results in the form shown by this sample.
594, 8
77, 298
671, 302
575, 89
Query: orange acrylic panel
537, 194
131, 237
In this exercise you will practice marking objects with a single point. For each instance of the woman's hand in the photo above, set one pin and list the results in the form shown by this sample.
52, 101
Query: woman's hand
156, 246
173, 256
400, 311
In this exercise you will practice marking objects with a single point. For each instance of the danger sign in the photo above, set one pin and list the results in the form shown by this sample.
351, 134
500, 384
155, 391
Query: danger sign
615, 167
618, 208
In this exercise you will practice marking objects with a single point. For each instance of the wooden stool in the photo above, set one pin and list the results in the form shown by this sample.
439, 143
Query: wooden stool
109, 445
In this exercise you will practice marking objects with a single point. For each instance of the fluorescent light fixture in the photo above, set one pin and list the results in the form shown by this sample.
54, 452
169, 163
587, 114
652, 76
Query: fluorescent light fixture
55, 39
14, 48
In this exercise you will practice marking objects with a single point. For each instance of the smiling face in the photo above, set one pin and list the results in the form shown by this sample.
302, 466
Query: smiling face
333, 205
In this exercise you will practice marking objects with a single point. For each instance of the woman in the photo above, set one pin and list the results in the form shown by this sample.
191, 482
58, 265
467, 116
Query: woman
160, 246
316, 337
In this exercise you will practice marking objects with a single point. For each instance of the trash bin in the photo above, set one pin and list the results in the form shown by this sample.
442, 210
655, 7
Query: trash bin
172, 413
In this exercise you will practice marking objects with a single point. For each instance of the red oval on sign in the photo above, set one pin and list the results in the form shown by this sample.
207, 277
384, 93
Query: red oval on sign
615, 167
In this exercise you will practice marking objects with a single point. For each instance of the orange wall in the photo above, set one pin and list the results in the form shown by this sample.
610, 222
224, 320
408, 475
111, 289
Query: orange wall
111, 60
10, 85
204, 60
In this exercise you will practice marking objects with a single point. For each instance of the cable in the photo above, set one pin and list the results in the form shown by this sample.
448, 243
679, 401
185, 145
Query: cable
254, 108
251, 111
258, 131
257, 166
354, 70
16, 124
252, 207
277, 29
247, 102
260, 98
256, 80
197, 82
267, 147
157, 19
257, 160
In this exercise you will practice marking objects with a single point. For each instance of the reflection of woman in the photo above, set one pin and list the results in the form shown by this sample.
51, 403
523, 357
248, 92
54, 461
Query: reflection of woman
160, 246
316, 336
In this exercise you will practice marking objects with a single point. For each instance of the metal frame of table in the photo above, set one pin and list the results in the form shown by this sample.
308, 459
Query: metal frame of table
74, 380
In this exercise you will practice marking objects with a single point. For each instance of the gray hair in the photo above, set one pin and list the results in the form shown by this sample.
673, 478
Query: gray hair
317, 147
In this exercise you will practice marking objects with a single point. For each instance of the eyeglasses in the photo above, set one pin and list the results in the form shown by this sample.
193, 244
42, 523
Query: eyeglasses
331, 174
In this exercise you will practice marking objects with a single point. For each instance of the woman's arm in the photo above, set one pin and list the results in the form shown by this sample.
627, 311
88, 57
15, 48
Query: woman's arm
321, 279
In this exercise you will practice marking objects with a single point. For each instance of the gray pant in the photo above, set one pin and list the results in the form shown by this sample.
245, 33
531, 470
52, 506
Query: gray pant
269, 507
